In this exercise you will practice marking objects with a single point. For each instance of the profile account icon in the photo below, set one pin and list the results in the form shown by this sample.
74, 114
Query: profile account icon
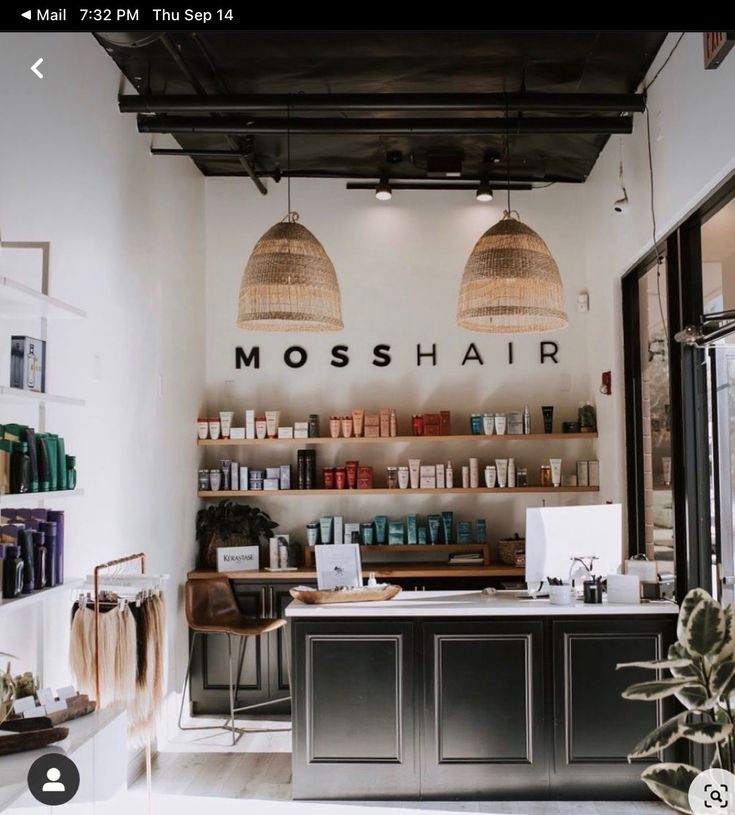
53, 779
53, 774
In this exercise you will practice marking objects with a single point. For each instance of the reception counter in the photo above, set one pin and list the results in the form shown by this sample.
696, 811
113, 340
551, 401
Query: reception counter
443, 695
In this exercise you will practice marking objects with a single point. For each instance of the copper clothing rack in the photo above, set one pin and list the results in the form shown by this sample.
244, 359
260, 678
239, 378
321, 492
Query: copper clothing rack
97, 569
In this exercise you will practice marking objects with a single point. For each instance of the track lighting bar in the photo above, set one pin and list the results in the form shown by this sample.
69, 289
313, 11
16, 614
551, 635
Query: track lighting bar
431, 185
516, 102
244, 125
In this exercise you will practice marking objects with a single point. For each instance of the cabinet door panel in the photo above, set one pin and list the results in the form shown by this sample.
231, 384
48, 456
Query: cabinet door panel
483, 721
594, 727
354, 705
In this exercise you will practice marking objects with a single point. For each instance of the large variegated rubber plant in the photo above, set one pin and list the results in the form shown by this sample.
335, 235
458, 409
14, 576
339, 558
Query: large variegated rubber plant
7, 689
701, 665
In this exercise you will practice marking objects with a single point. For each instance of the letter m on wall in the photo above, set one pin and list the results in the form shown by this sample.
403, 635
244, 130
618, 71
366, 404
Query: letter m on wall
247, 359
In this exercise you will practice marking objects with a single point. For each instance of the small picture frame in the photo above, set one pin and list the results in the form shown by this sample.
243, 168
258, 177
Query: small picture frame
338, 566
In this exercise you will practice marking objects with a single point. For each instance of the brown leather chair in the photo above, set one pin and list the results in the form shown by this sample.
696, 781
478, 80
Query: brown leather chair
211, 608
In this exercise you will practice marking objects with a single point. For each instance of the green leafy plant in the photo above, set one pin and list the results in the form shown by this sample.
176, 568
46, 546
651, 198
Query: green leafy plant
7, 689
701, 665
230, 524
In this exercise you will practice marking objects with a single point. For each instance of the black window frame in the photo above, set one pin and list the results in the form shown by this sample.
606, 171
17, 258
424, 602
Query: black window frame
689, 395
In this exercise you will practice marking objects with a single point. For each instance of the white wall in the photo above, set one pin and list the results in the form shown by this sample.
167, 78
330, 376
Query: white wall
399, 264
693, 132
127, 245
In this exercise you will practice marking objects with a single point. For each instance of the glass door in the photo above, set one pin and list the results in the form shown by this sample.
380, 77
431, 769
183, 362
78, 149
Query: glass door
718, 290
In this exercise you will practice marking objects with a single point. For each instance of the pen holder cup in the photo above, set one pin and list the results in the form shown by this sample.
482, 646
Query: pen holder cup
561, 595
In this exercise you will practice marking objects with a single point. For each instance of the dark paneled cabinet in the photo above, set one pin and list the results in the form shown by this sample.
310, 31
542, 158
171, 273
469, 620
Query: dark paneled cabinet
265, 665
594, 727
357, 729
483, 707
493, 708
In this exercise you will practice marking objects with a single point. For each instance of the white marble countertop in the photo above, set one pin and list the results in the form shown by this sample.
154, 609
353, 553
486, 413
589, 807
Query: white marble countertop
469, 604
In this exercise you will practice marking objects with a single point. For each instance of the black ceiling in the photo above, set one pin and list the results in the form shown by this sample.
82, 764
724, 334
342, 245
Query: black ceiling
234, 66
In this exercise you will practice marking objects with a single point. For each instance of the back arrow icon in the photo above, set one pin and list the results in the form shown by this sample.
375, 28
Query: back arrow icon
35, 70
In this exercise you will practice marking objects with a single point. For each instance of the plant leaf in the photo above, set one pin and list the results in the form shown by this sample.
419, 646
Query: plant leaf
671, 782
722, 678
696, 695
707, 732
657, 664
669, 732
728, 640
657, 689
701, 627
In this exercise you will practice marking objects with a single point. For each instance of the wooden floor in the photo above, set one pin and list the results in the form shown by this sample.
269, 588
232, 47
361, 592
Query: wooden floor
204, 764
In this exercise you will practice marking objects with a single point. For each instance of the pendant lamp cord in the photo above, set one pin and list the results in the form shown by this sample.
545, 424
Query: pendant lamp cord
288, 157
507, 152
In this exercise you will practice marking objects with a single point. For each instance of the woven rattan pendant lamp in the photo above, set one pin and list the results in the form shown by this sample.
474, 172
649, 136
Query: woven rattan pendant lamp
289, 282
511, 283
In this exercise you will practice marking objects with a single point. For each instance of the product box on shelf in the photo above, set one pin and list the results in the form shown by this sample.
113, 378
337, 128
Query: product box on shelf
285, 432
28, 363
249, 424
364, 478
385, 421
593, 468
583, 478
339, 529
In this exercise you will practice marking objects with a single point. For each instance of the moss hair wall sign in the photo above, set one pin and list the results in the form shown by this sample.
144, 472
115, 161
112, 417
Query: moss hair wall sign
340, 356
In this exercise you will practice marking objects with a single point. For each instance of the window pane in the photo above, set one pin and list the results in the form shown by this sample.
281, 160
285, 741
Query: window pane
656, 419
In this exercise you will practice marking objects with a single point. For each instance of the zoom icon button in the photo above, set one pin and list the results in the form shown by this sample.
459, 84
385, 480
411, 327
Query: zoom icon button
53, 779
713, 793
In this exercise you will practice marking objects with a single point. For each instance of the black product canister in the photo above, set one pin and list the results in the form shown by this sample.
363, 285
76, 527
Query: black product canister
41, 555
12, 573
49, 529
57, 516
25, 538
313, 425
301, 469
310, 456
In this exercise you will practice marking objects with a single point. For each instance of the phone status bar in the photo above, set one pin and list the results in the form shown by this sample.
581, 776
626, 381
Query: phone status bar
91, 18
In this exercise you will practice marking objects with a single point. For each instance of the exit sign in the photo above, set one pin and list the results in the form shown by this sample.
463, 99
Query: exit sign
716, 47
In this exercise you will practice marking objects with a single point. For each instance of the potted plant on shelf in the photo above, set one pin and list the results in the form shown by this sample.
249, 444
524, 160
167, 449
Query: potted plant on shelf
702, 677
231, 524
7, 689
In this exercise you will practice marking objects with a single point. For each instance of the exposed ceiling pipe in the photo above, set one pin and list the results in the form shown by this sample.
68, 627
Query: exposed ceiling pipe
182, 65
515, 102
486, 126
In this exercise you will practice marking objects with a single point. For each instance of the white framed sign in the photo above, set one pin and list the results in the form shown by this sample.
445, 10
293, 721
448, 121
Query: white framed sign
238, 558
338, 566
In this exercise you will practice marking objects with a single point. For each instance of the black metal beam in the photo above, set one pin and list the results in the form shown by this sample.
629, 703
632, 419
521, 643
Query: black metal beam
479, 126
228, 155
435, 185
175, 54
251, 102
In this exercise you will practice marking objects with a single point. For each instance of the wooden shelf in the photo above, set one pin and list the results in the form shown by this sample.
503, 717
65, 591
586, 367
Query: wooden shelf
20, 301
385, 491
447, 548
20, 395
397, 439
390, 570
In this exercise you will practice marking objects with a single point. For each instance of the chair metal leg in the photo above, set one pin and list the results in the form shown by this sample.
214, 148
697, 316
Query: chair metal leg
230, 724
232, 690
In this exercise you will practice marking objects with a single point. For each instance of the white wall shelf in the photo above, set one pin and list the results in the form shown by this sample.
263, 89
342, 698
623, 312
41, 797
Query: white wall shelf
25, 499
20, 301
26, 600
33, 397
